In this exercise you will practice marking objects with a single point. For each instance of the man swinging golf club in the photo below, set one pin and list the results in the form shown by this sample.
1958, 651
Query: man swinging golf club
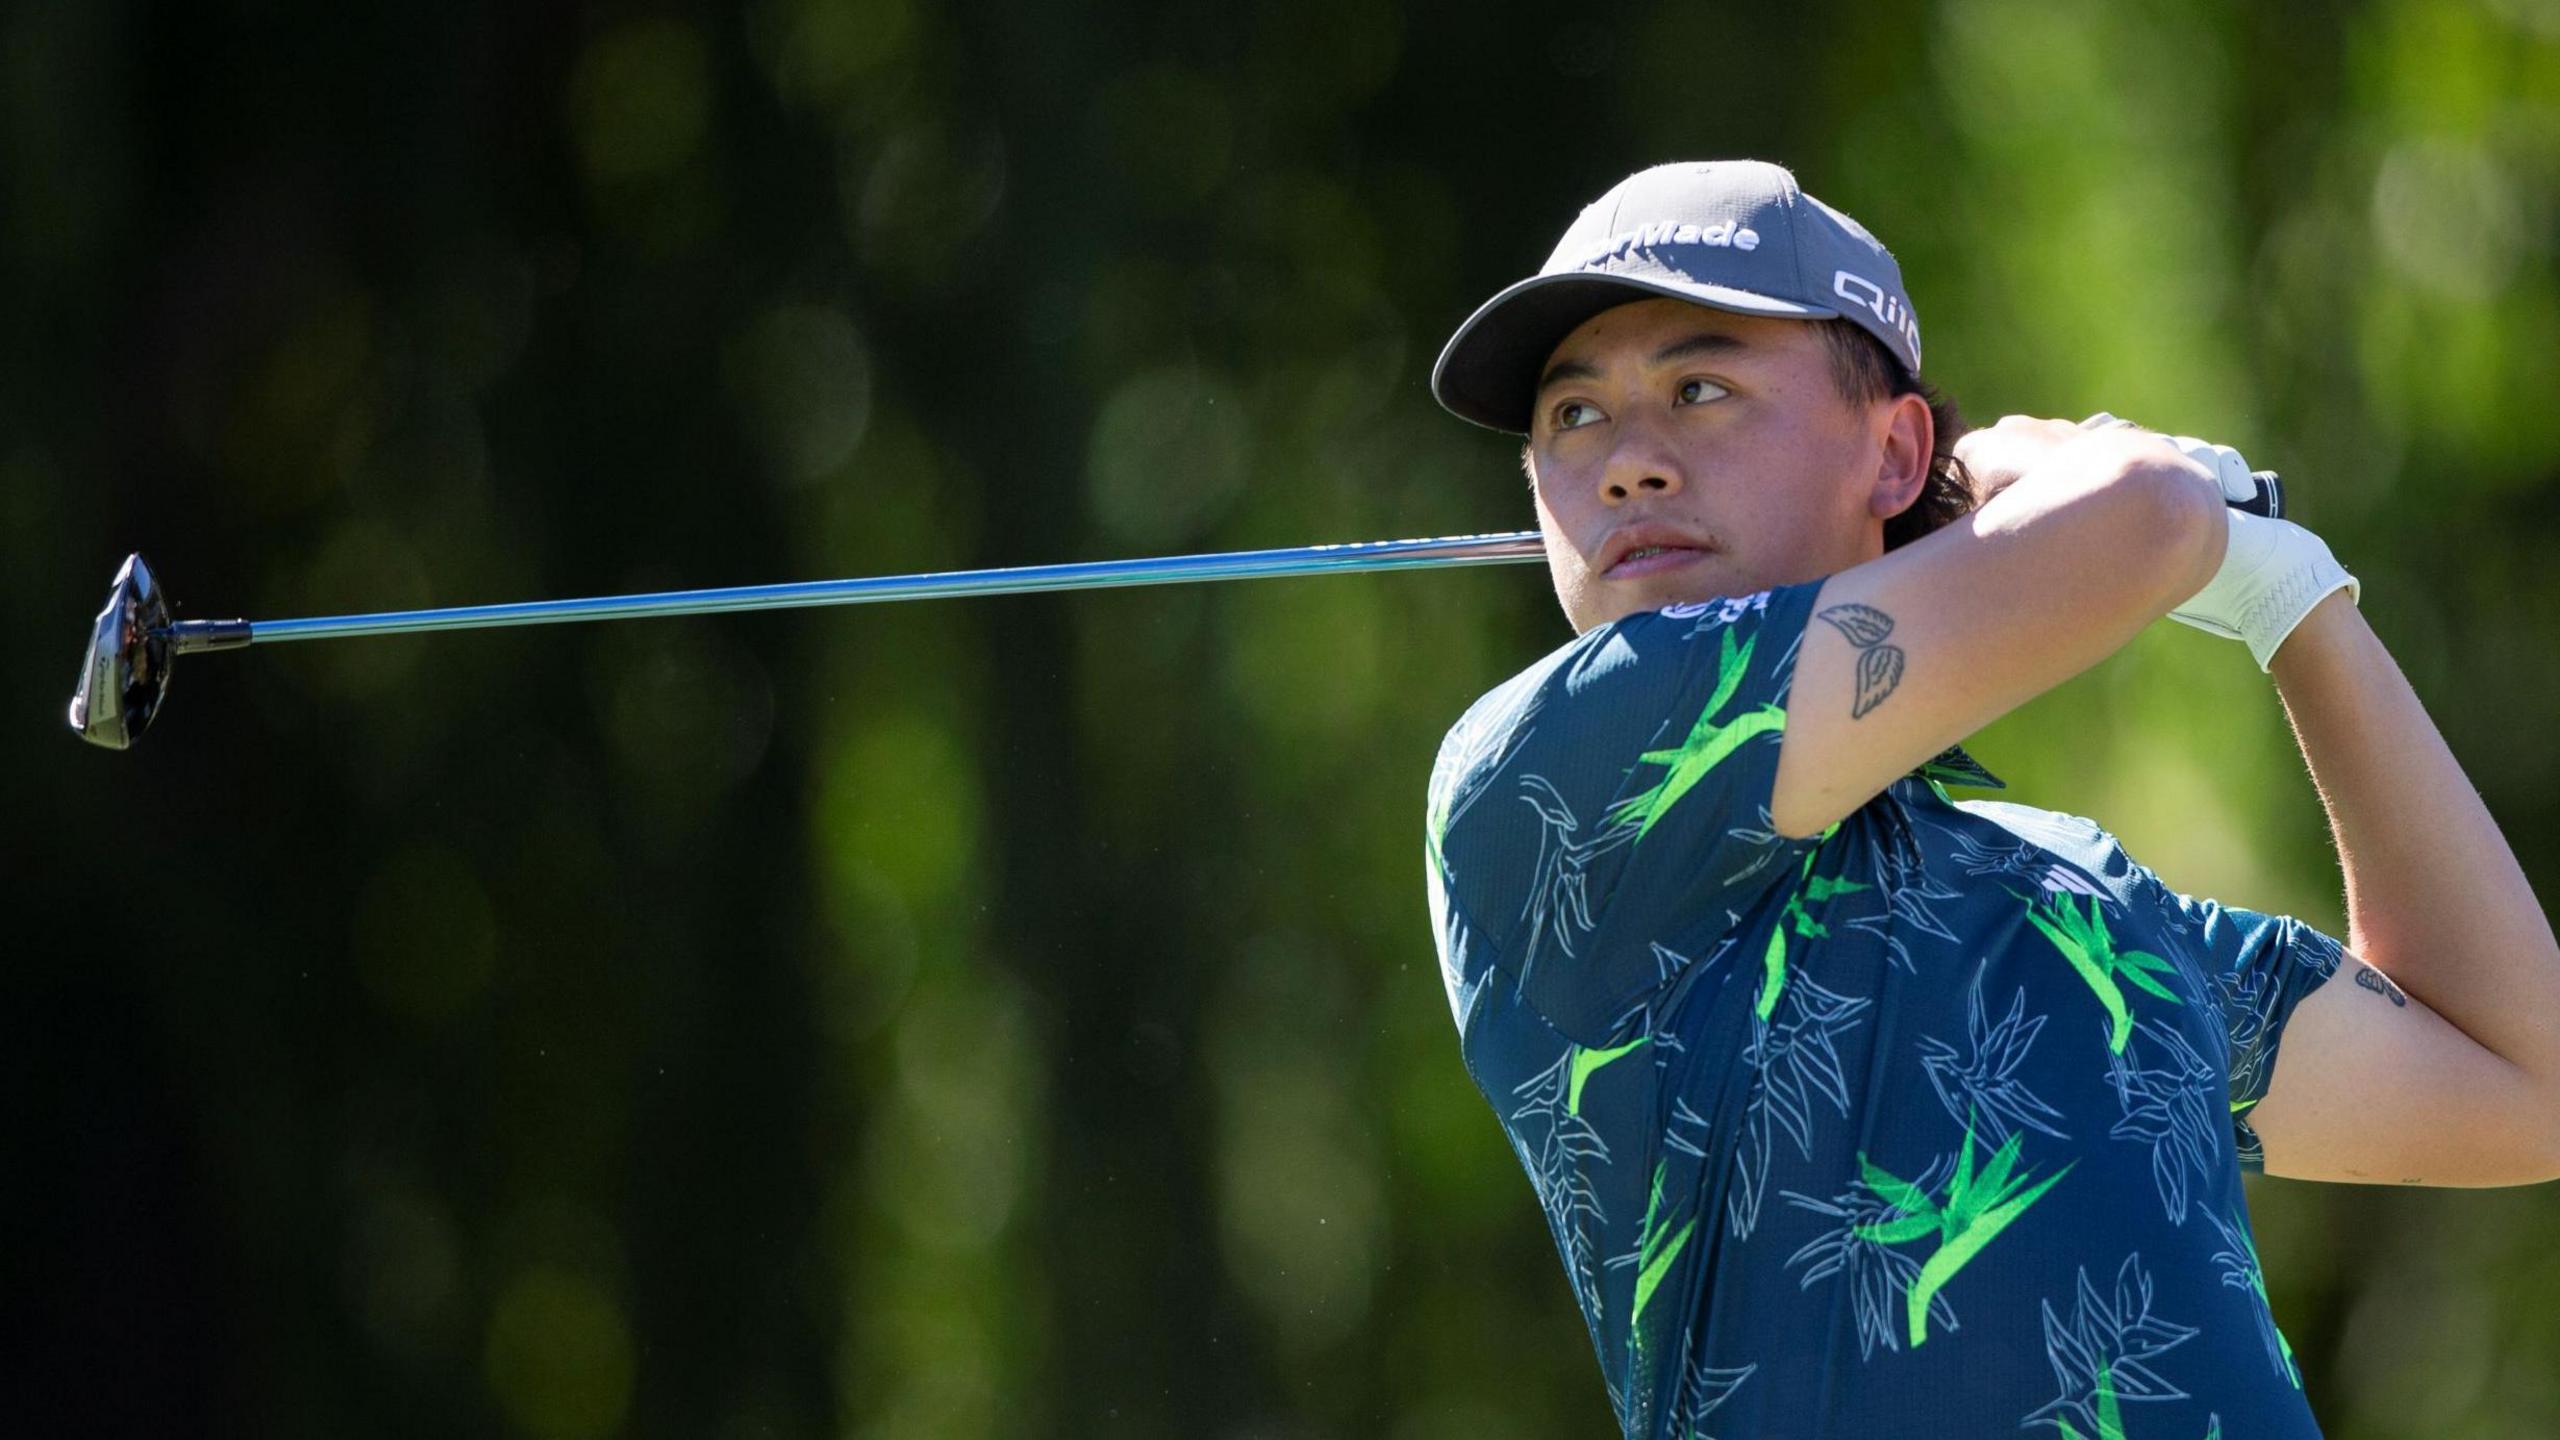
1856, 1110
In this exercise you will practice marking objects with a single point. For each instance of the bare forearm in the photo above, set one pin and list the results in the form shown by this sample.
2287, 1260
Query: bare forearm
2434, 896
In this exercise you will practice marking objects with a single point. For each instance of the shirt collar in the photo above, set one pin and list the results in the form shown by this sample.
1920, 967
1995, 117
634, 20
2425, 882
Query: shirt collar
1952, 766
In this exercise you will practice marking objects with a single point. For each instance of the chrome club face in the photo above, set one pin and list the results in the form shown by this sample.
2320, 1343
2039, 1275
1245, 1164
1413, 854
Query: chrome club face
126, 672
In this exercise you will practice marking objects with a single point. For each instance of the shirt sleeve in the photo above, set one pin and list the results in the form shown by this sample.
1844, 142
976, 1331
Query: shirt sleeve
1606, 816
2258, 967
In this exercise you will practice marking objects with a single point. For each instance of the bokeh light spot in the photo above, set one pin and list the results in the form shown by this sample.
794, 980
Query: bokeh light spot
559, 1356
829, 52
950, 1158
426, 937
900, 802
801, 378
2447, 217
1167, 131
685, 708
640, 101
929, 190
363, 565
1168, 456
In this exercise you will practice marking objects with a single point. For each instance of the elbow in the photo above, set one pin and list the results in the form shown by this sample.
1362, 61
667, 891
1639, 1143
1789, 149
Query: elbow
2543, 1157
2526, 1138
2182, 512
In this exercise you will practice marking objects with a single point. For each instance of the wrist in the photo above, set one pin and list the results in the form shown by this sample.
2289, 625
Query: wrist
2273, 574
2324, 634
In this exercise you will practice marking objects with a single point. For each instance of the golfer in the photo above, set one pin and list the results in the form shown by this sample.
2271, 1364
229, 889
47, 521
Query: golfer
1855, 1109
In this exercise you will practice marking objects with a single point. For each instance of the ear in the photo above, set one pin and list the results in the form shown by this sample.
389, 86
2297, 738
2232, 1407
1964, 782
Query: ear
1906, 441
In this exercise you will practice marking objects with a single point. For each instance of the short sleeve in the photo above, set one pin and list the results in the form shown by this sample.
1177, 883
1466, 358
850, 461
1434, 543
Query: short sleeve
2259, 967
1615, 800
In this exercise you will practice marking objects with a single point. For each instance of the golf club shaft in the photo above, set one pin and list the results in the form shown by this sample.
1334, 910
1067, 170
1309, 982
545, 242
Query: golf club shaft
193, 635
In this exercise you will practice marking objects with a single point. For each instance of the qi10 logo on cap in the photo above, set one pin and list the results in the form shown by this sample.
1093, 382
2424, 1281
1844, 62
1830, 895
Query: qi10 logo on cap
1886, 307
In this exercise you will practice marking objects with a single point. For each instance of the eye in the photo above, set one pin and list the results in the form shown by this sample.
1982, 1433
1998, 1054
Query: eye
1574, 414
1694, 391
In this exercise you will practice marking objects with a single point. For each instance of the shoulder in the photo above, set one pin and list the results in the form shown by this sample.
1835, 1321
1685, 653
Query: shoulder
2058, 850
1611, 671
2054, 851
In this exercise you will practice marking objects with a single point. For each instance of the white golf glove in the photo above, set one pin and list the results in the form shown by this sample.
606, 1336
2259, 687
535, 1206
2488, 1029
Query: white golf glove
2273, 571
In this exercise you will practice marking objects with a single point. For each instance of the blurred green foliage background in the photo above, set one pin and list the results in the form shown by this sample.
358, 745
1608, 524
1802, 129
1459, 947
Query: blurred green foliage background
1018, 1016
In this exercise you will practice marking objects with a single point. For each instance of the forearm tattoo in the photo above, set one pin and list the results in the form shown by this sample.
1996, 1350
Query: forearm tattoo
1879, 664
2380, 984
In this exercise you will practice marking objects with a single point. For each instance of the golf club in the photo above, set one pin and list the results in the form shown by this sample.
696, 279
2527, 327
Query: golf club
125, 675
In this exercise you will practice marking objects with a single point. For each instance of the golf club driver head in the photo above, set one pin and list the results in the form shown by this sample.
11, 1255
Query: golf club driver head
125, 675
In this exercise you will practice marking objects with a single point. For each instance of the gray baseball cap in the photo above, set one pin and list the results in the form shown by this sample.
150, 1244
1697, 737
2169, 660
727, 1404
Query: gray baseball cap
1735, 235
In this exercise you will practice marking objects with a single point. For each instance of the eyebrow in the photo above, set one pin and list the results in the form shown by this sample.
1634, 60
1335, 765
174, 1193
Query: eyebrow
1705, 342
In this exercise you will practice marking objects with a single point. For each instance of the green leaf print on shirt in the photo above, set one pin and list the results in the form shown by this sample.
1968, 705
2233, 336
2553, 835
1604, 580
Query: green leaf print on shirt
2110, 1413
1977, 1207
2083, 940
1809, 886
1657, 1245
1586, 1060
1708, 744
2111, 1417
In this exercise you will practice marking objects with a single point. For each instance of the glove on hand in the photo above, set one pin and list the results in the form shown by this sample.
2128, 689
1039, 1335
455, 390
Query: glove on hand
2273, 571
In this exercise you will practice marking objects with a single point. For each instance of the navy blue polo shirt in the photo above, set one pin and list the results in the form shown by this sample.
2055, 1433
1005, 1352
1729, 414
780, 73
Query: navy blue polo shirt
1929, 1125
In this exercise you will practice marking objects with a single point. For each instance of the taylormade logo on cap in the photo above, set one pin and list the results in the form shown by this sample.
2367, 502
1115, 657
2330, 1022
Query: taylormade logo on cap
1736, 235
1724, 233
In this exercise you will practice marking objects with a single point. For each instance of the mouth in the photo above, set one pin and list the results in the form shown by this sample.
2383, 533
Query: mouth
1643, 560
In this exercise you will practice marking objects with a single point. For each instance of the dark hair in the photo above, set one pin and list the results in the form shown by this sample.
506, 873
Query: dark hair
1865, 373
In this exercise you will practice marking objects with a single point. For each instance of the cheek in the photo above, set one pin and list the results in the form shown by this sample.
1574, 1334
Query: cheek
1563, 556
1563, 494
1549, 522
1562, 559
1565, 568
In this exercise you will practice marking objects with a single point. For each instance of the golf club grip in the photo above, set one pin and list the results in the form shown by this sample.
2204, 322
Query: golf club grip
2269, 501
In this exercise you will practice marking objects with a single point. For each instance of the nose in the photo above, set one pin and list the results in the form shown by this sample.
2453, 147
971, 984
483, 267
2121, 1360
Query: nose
1641, 464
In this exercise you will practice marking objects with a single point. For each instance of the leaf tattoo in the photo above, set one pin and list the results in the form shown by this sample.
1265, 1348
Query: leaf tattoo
1879, 664
1879, 671
2380, 984
1864, 624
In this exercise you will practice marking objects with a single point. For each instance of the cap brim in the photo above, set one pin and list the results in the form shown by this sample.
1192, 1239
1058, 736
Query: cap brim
1488, 372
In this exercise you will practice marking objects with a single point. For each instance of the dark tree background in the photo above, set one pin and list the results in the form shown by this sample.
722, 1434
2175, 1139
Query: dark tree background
1019, 1016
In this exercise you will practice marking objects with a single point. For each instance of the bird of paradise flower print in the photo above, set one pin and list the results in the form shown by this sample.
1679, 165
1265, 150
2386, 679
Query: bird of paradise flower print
1986, 1079
1708, 743
1678, 1013
2241, 1271
1657, 1245
1978, 1205
2083, 940
1798, 921
2105, 1352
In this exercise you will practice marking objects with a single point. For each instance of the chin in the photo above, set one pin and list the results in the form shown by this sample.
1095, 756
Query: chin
1598, 602
1602, 604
